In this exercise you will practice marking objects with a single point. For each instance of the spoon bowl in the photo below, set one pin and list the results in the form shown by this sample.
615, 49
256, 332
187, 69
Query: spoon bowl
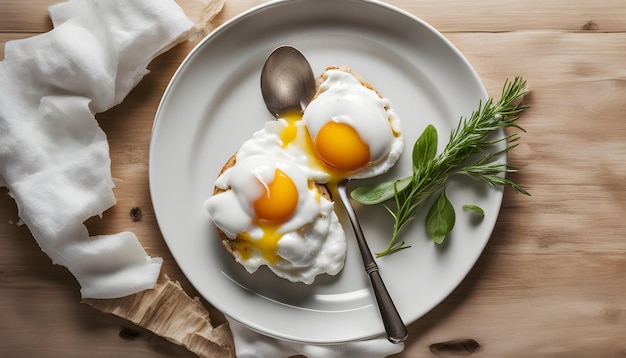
287, 83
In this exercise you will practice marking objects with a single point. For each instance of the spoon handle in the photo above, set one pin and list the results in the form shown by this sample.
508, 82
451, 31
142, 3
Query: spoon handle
395, 328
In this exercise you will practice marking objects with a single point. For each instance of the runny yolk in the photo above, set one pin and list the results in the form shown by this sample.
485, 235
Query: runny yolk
340, 147
290, 132
279, 200
275, 206
266, 245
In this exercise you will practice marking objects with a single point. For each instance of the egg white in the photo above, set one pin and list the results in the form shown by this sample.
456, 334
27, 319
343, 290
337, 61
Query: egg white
345, 100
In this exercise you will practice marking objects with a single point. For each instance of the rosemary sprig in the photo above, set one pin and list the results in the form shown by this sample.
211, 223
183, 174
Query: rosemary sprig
472, 137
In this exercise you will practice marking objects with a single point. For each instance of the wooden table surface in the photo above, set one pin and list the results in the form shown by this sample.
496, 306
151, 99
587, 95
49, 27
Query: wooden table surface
551, 281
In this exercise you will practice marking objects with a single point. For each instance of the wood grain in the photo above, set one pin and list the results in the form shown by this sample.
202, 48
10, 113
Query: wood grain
551, 280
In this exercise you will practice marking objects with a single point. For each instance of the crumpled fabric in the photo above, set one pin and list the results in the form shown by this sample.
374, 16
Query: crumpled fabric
250, 344
54, 157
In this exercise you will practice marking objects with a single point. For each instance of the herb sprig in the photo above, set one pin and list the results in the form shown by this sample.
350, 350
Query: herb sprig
470, 139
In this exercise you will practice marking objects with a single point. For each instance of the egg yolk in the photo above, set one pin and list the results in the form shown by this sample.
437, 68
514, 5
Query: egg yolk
290, 132
266, 245
275, 206
340, 148
279, 201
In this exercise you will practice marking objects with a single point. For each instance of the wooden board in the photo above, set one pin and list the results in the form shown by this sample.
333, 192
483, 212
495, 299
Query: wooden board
550, 282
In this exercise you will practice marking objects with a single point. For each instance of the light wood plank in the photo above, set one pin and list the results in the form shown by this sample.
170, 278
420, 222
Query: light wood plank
515, 15
445, 15
550, 281
25, 16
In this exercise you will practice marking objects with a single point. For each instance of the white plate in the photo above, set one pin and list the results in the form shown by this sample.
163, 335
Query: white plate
214, 103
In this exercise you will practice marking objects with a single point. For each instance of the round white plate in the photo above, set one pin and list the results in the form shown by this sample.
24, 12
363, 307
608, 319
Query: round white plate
213, 103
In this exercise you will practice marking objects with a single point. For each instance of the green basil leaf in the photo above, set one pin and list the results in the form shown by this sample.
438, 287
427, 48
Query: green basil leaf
425, 148
440, 218
476, 209
377, 193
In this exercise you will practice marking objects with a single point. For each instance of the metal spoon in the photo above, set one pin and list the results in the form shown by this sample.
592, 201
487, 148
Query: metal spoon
287, 83
395, 328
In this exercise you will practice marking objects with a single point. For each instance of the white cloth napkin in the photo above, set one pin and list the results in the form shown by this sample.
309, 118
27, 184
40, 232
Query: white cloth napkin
54, 158
250, 344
